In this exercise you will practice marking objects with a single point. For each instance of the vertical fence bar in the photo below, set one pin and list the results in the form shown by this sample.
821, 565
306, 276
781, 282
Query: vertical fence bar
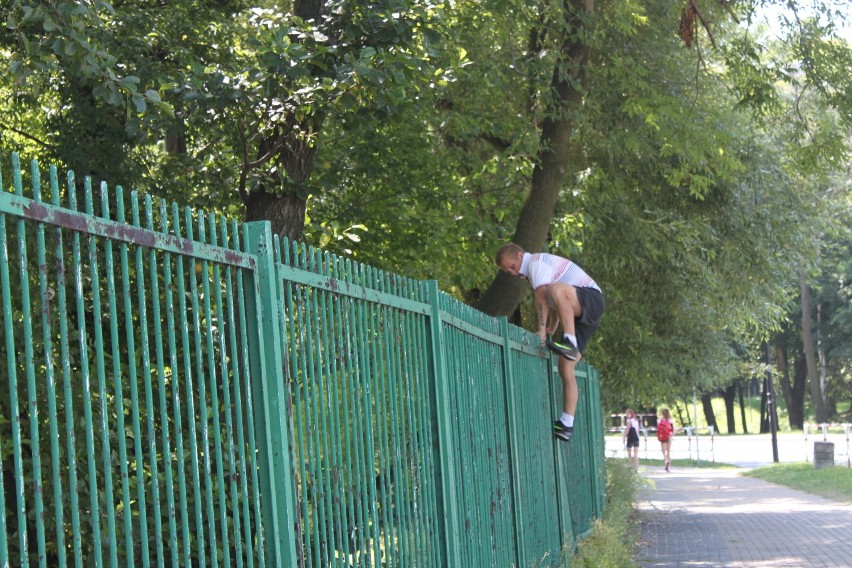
132, 379
118, 397
100, 367
225, 409
353, 466
14, 409
159, 353
44, 300
267, 363
214, 401
32, 397
184, 272
427, 468
441, 423
382, 419
239, 487
248, 417
563, 505
358, 502
170, 283
326, 410
297, 379
512, 427
94, 509
65, 357
201, 385
141, 298
368, 360
319, 440
4, 276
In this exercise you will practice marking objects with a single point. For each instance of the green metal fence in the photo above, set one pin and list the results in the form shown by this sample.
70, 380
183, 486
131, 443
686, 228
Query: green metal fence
177, 389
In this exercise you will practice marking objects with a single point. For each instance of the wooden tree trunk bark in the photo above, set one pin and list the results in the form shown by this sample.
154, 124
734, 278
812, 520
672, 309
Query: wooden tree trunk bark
810, 353
709, 414
292, 151
559, 156
730, 397
793, 388
740, 389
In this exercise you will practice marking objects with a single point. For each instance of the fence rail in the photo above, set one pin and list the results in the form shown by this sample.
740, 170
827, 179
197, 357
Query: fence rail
179, 389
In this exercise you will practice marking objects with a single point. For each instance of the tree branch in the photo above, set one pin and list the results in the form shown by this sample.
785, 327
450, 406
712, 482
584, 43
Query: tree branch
27, 136
704, 22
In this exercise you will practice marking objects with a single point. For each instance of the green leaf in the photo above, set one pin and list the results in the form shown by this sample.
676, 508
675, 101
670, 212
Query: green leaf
139, 103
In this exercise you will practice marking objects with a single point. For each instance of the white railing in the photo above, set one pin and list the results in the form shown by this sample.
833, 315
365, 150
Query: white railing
748, 450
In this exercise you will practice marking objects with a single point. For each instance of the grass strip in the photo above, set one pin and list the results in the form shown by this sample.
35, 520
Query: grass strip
830, 482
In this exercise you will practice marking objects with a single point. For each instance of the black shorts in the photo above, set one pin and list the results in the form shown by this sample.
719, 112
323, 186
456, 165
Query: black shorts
632, 438
585, 326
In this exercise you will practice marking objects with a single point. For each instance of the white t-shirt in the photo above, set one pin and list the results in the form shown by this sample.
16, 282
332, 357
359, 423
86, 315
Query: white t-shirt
634, 423
543, 268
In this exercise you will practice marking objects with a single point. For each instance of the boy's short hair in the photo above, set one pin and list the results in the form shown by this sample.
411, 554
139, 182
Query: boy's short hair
508, 249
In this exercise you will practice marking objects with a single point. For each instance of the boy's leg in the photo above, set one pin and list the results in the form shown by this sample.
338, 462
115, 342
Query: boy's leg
562, 428
570, 392
567, 305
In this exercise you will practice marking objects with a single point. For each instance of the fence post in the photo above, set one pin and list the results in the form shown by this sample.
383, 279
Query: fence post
267, 364
560, 449
445, 477
512, 421
595, 439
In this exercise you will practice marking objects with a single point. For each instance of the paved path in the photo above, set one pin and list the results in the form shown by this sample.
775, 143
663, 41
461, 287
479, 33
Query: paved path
717, 517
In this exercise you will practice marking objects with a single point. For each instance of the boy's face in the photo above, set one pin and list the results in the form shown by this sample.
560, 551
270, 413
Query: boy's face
512, 264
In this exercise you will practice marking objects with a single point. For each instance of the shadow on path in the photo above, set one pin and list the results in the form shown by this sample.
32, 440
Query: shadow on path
717, 517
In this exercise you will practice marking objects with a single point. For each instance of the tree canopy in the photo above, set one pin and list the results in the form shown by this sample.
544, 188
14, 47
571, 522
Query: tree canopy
688, 156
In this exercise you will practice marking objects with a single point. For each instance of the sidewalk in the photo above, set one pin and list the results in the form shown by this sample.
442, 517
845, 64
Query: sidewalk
716, 517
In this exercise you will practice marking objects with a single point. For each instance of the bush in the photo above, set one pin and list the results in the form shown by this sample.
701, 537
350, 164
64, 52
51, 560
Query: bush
610, 543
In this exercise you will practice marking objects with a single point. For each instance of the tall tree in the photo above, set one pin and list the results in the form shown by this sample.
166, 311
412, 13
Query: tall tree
810, 354
250, 87
560, 154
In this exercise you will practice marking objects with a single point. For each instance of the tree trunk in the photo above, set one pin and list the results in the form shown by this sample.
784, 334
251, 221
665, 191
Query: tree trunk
810, 354
709, 415
784, 379
730, 395
558, 156
793, 388
681, 419
764, 413
286, 212
740, 389
289, 153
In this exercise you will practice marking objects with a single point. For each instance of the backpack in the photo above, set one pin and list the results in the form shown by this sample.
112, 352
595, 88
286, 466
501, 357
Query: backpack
664, 430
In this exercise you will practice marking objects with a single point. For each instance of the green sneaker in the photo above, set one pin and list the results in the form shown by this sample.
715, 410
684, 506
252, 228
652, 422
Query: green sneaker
563, 349
562, 431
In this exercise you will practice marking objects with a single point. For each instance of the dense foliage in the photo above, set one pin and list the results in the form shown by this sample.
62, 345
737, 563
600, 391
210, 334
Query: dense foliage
693, 150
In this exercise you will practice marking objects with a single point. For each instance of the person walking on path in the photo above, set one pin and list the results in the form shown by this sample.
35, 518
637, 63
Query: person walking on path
720, 518
665, 431
579, 304
631, 437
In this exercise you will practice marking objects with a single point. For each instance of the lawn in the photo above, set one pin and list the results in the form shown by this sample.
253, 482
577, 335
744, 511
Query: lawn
831, 482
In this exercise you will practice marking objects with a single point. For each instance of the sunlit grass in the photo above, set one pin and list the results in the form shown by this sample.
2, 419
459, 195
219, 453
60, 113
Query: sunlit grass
610, 544
831, 482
